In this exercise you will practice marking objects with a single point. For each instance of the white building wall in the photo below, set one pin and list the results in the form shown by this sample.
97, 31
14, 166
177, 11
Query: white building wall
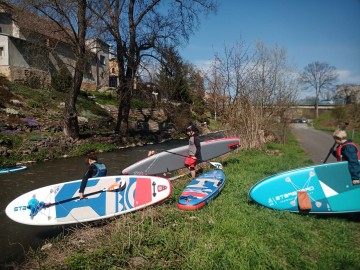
4, 50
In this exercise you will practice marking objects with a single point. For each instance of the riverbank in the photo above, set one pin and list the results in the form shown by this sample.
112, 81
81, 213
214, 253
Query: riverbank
31, 125
231, 232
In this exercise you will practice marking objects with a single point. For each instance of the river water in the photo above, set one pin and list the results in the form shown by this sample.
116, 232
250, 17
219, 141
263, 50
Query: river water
15, 238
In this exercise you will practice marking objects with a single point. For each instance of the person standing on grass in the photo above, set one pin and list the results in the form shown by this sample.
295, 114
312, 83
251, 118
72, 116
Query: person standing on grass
95, 169
194, 156
347, 151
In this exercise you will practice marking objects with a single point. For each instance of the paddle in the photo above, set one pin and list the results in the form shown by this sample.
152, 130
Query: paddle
217, 165
112, 187
332, 148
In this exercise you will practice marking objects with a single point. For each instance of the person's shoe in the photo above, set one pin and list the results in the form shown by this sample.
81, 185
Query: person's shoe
355, 182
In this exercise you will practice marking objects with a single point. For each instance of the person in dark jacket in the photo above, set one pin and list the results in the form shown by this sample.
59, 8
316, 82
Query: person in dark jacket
95, 169
348, 151
194, 156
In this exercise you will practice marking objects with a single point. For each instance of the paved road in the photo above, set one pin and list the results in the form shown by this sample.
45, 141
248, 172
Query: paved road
316, 143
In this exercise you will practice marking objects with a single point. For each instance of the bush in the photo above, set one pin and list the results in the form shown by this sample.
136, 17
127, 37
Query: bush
139, 104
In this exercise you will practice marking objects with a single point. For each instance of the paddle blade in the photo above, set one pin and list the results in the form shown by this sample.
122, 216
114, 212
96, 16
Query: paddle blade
117, 186
217, 165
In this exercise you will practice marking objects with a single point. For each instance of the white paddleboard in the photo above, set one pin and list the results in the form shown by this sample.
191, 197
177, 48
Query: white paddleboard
105, 197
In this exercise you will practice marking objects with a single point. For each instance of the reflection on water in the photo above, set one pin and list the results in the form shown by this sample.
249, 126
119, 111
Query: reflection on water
15, 238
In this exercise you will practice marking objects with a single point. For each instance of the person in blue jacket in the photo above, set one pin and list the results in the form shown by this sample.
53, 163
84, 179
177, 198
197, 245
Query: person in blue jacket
347, 150
95, 169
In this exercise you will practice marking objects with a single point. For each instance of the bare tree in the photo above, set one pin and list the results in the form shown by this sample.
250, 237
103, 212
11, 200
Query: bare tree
319, 76
69, 22
260, 89
216, 85
141, 29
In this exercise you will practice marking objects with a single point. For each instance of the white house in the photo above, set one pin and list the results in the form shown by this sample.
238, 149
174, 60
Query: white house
37, 49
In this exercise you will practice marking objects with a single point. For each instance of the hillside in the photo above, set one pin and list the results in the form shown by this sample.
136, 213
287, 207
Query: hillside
31, 125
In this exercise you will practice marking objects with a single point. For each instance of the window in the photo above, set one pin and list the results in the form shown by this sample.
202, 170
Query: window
1, 51
102, 60
1, 30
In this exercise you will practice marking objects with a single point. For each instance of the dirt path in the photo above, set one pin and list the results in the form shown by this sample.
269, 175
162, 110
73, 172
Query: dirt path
315, 142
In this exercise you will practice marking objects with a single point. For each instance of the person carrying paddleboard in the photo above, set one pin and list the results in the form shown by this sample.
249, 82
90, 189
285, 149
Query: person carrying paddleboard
194, 156
347, 151
95, 169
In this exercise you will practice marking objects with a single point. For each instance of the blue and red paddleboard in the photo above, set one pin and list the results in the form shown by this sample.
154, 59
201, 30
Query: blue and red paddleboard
328, 188
105, 197
201, 190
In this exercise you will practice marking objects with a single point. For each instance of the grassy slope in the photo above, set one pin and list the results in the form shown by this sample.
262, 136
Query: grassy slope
229, 233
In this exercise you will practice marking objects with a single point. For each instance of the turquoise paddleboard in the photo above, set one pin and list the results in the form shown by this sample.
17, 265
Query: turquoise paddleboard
328, 186
12, 169
201, 190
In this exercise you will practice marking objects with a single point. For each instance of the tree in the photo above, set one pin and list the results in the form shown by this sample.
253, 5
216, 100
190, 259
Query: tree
215, 81
172, 78
260, 89
71, 24
142, 29
319, 76
197, 88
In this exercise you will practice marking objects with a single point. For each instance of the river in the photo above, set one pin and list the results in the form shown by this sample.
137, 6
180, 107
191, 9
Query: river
15, 238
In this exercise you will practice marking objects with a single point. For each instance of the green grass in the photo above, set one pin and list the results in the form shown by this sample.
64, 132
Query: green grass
105, 98
231, 232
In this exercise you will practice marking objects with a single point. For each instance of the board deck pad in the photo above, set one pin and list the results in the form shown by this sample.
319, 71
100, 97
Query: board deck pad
329, 187
59, 204
201, 190
173, 159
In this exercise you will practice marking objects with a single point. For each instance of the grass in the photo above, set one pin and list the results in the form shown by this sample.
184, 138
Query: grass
230, 233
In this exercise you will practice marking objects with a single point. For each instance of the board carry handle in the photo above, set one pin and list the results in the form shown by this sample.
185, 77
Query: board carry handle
217, 165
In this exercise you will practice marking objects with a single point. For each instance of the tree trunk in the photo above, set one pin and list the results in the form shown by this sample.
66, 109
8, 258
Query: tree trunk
71, 124
122, 125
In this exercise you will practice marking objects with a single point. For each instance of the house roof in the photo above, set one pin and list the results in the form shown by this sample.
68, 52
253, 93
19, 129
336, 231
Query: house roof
30, 22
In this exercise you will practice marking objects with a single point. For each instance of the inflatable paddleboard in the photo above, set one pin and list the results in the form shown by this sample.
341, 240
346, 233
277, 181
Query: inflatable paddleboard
173, 159
201, 190
325, 188
105, 197
12, 169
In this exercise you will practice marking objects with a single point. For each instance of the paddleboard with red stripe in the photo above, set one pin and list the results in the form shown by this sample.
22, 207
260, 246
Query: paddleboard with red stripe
201, 190
173, 159
105, 197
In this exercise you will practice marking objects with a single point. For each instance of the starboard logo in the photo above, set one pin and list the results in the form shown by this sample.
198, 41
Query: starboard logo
161, 188
291, 194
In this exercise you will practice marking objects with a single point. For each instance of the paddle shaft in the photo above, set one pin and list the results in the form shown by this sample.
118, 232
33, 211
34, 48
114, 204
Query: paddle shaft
328, 155
89, 194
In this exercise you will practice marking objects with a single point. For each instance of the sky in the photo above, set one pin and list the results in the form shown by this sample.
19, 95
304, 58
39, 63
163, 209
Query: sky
309, 30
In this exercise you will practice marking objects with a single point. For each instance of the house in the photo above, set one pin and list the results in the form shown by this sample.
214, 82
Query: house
35, 49
113, 73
